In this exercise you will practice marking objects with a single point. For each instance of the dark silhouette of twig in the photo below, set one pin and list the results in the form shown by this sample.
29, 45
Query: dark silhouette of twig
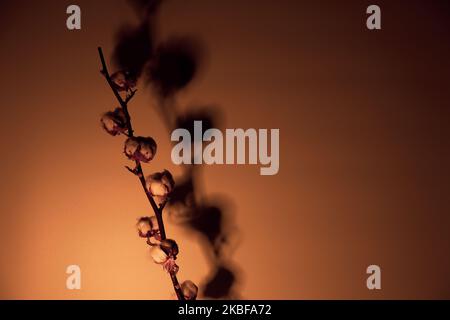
169, 66
138, 171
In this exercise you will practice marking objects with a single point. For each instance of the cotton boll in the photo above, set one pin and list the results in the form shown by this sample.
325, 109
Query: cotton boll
144, 227
167, 181
131, 146
147, 148
114, 122
157, 188
147, 153
189, 290
158, 255
147, 227
160, 185
108, 123
140, 148
170, 247
123, 80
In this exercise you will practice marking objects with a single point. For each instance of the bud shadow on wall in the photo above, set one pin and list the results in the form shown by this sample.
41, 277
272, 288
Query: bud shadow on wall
169, 66
211, 220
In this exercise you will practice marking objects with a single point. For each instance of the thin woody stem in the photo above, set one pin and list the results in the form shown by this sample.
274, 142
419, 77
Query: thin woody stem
176, 286
139, 171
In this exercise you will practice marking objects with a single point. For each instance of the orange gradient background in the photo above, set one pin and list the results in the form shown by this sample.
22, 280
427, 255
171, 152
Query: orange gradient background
364, 150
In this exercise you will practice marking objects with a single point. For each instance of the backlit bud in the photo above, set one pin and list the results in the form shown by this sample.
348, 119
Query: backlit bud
158, 255
147, 148
140, 148
145, 227
114, 122
131, 147
160, 184
123, 81
170, 247
189, 290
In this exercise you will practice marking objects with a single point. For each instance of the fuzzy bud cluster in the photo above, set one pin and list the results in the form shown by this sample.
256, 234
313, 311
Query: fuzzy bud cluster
140, 148
159, 185
114, 122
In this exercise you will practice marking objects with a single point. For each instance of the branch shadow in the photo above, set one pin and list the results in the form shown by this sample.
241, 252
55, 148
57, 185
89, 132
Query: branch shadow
169, 67
212, 221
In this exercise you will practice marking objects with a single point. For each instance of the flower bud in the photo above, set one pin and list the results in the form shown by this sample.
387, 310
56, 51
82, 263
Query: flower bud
189, 290
140, 148
148, 149
160, 184
114, 122
145, 227
123, 80
131, 147
154, 223
158, 255
170, 247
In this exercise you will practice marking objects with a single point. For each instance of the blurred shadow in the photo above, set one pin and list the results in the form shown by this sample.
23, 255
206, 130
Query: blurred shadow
212, 221
175, 64
220, 285
134, 48
169, 67
135, 45
145, 7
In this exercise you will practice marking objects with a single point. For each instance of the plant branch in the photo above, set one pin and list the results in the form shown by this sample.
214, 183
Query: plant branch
138, 171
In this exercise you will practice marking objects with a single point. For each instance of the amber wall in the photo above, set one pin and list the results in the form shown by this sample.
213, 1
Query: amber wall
364, 150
